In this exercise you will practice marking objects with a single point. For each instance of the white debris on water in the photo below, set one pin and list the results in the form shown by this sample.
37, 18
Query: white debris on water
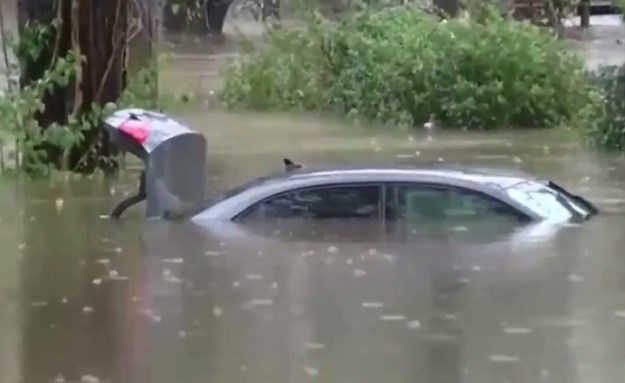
58, 203
97, 282
313, 346
575, 278
517, 330
254, 277
311, 371
87, 309
619, 314
332, 249
217, 312
103, 261
392, 318
38, 304
503, 358
359, 273
372, 305
89, 379
414, 324
59, 379
173, 260
256, 302
212, 253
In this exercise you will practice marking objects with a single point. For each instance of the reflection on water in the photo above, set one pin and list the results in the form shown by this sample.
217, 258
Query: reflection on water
86, 299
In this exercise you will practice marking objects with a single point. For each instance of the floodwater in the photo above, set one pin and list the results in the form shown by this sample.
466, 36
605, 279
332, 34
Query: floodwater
86, 299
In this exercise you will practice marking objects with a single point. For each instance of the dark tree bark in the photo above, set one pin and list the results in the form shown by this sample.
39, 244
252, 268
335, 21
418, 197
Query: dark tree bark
58, 43
185, 16
216, 12
98, 28
449, 7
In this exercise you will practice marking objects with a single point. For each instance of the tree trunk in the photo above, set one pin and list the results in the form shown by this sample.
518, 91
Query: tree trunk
449, 7
99, 29
55, 101
216, 12
185, 16
102, 36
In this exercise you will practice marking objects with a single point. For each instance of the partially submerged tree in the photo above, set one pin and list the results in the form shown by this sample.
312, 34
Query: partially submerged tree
77, 52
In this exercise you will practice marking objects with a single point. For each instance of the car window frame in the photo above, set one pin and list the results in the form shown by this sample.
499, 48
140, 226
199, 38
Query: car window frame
392, 189
381, 197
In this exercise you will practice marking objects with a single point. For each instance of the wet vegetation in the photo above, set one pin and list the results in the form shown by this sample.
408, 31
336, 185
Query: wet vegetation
403, 65
70, 67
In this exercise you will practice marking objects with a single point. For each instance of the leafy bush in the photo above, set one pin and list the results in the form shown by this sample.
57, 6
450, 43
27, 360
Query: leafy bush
403, 65
604, 121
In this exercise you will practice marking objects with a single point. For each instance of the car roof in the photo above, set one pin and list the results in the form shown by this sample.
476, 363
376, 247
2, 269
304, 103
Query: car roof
498, 177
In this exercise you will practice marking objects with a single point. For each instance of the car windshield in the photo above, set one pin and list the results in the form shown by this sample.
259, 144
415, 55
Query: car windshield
549, 203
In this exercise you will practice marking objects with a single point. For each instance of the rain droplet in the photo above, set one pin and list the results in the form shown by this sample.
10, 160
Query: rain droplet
64, 300
311, 371
503, 358
182, 334
349, 261
173, 260
256, 302
372, 305
359, 273
575, 278
87, 309
21, 246
58, 203
38, 304
274, 286
332, 249
392, 318
476, 268
414, 324
218, 312
313, 346
517, 330
544, 373
243, 368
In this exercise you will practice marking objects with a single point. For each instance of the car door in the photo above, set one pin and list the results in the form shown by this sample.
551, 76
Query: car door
453, 225
334, 212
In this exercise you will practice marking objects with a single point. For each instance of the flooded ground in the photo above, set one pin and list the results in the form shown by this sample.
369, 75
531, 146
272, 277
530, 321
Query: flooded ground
86, 299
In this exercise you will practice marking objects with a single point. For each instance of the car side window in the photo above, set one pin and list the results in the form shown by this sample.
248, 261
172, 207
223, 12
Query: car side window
421, 203
326, 202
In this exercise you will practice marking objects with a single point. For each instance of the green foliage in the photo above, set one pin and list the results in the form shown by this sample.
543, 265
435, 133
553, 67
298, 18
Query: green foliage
403, 65
604, 122
20, 105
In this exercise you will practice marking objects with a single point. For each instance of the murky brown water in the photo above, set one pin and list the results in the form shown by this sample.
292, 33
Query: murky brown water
84, 298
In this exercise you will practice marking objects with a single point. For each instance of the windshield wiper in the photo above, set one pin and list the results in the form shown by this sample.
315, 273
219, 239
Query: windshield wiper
592, 209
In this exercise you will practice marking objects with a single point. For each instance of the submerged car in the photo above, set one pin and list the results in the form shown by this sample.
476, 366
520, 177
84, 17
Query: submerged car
175, 178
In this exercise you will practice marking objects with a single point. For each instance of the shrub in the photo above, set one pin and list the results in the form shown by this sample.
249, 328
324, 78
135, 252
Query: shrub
604, 121
403, 65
